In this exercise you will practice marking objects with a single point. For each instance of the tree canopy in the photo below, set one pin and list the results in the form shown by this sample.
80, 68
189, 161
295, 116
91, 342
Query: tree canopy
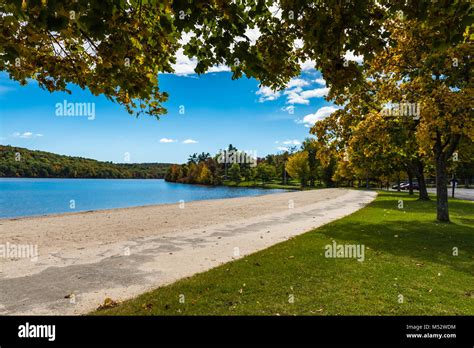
118, 48
415, 52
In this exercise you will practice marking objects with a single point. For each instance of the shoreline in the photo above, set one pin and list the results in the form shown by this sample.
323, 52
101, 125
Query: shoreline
142, 203
120, 253
13, 218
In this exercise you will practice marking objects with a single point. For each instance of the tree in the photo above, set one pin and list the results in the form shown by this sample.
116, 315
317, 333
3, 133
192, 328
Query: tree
205, 175
203, 156
118, 48
425, 61
310, 146
463, 162
265, 172
193, 158
22, 162
431, 59
298, 167
234, 172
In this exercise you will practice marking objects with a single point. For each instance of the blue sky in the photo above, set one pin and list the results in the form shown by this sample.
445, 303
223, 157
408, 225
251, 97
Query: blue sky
217, 111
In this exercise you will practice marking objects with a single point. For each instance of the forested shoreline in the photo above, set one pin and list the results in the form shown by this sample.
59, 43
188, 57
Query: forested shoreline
311, 165
236, 167
24, 163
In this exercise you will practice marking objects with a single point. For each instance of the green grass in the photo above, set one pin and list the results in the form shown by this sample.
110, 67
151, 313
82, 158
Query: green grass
407, 252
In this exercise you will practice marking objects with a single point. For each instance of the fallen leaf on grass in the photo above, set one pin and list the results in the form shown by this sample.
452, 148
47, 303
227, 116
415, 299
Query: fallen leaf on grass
147, 306
108, 303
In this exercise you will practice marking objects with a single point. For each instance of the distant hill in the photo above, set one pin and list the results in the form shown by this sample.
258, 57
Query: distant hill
21, 162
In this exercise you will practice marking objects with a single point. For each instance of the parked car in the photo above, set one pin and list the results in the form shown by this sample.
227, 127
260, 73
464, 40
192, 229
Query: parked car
406, 186
403, 185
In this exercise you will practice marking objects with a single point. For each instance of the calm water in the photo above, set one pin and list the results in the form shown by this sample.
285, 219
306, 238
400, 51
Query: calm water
26, 197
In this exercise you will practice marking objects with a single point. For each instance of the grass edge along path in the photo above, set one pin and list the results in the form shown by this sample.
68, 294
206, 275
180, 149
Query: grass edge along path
412, 265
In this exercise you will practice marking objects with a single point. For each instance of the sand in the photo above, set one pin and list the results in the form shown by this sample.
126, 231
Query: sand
86, 257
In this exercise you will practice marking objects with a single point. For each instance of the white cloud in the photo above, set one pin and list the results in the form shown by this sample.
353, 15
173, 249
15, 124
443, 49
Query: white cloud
315, 93
351, 57
190, 141
296, 82
302, 97
295, 98
292, 142
282, 148
323, 112
167, 140
290, 109
252, 34
26, 135
218, 68
298, 44
184, 65
320, 81
275, 10
308, 65
293, 90
267, 94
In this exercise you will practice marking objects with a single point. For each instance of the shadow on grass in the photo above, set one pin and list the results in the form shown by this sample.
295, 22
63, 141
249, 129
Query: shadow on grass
419, 236
390, 201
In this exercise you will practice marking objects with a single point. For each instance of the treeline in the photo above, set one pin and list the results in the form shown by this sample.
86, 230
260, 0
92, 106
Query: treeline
310, 165
22, 162
233, 165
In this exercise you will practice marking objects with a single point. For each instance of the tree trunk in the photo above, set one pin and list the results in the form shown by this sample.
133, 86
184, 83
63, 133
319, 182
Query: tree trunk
423, 191
410, 182
420, 176
442, 190
442, 153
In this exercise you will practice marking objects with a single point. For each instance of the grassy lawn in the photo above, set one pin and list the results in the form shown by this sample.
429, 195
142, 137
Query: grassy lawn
406, 253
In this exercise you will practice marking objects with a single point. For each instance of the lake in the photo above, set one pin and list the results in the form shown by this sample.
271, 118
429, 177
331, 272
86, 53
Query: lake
31, 196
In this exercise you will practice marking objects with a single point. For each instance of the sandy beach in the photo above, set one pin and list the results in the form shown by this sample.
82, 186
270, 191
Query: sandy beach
86, 257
